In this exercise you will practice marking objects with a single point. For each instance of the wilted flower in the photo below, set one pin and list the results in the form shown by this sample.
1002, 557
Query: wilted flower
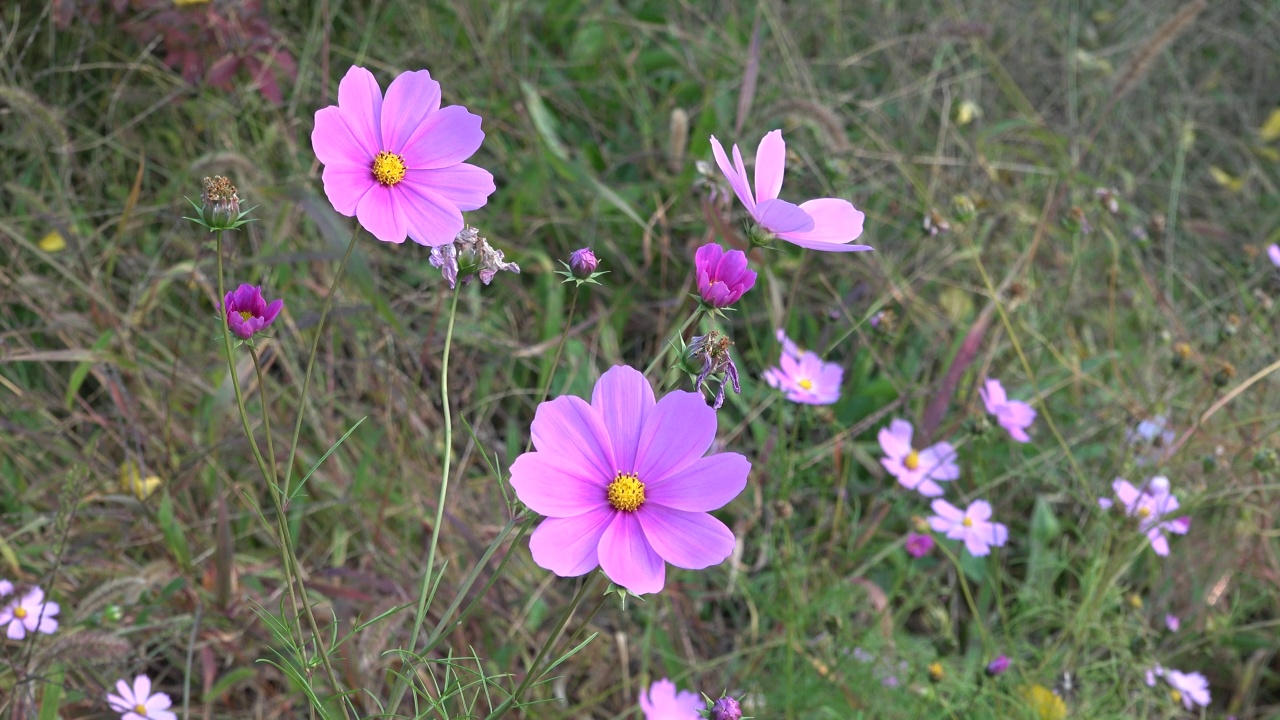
1013, 415
467, 256
803, 377
916, 469
998, 666
972, 525
828, 224
723, 276
625, 485
1109, 198
396, 163
247, 312
662, 702
935, 223
29, 613
919, 545
726, 708
1151, 507
710, 355
219, 207
138, 702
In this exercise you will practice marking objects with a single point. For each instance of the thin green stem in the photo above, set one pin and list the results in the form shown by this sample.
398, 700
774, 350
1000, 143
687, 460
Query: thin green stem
697, 312
968, 596
266, 418
555, 362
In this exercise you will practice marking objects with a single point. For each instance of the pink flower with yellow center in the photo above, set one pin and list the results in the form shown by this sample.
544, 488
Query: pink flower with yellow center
919, 470
138, 702
972, 525
803, 377
28, 614
248, 312
662, 702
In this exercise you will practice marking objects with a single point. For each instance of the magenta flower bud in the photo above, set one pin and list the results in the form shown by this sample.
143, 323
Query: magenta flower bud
998, 666
919, 545
726, 708
723, 276
247, 312
582, 263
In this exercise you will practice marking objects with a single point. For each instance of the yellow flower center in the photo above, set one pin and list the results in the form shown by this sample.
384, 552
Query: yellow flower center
912, 460
388, 168
140, 709
1144, 512
245, 314
1177, 696
967, 522
20, 612
807, 384
626, 492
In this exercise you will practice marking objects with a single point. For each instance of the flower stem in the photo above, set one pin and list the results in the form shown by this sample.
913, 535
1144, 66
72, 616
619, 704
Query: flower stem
697, 312
968, 596
266, 419
555, 362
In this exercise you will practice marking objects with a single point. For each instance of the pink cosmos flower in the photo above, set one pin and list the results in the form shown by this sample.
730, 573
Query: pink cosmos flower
916, 469
723, 276
1013, 415
919, 545
396, 164
803, 377
973, 525
1151, 506
1273, 252
824, 224
624, 484
28, 614
6, 588
1172, 622
1190, 689
248, 312
139, 703
662, 702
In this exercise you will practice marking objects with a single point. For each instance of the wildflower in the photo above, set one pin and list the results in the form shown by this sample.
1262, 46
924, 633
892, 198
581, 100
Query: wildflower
998, 666
467, 256
1109, 198
247, 311
936, 671
219, 207
1045, 703
624, 484
28, 614
710, 355
1151, 506
1190, 689
726, 708
6, 588
723, 276
803, 377
53, 242
919, 545
396, 163
824, 224
1013, 415
1172, 622
131, 481
1154, 436
935, 223
662, 702
138, 702
916, 469
1153, 673
972, 525
1273, 252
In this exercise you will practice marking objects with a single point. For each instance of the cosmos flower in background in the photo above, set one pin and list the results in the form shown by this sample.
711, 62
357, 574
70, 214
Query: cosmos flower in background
918, 470
803, 377
138, 702
723, 276
998, 666
28, 614
1013, 415
972, 525
1151, 506
1151, 439
247, 311
1273, 252
1190, 689
396, 163
662, 702
625, 485
828, 224
918, 545
1172, 623
6, 588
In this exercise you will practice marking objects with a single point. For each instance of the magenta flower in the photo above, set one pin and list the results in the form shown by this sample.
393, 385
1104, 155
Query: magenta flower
396, 164
1172, 622
1190, 689
726, 708
973, 525
624, 484
919, 545
138, 702
248, 312
1273, 252
723, 276
916, 469
1151, 506
662, 702
1013, 415
998, 666
824, 224
803, 377
29, 613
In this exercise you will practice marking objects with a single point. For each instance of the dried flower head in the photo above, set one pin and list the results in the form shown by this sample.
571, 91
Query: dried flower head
708, 355
219, 207
467, 256
935, 223
1109, 198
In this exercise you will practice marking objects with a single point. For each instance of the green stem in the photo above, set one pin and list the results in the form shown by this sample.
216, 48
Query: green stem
968, 596
555, 362
266, 418
697, 312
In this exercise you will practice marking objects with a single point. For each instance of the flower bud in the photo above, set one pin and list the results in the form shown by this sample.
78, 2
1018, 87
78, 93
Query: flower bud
582, 263
998, 666
1265, 460
919, 545
723, 276
726, 708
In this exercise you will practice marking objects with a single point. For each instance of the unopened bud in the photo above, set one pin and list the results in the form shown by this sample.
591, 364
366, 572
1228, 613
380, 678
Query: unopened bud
998, 666
582, 263
726, 708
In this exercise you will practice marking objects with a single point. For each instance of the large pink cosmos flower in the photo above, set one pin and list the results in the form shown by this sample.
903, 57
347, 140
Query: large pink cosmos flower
396, 164
824, 224
916, 469
1013, 415
972, 525
1152, 506
139, 703
662, 702
803, 377
624, 484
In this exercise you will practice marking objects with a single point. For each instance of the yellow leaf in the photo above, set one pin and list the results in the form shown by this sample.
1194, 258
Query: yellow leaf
1270, 129
53, 242
131, 481
1226, 179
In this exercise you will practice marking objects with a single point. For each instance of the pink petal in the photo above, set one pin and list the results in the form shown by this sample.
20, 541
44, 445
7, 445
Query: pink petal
157, 702
126, 693
979, 510
410, 99
929, 488
771, 162
379, 213
738, 181
708, 484
360, 100
1273, 252
690, 540
947, 511
555, 488
567, 546
628, 559
430, 219
896, 439
272, 311
976, 546
16, 630
142, 686
1158, 542
623, 398
836, 222
447, 137
572, 430
939, 462
782, 218
346, 185
788, 345
677, 431
993, 395
1126, 493
116, 702
335, 143
465, 185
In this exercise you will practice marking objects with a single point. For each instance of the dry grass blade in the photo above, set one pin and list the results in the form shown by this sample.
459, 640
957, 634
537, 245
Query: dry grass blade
750, 74
1142, 60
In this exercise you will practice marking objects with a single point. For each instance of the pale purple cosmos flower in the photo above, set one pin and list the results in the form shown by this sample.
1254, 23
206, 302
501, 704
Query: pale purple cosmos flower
138, 702
1273, 252
248, 312
1172, 622
972, 525
916, 469
723, 276
828, 224
1153, 438
726, 708
803, 377
624, 484
1190, 689
918, 545
28, 614
1151, 506
396, 163
998, 666
1013, 415
662, 702
6, 588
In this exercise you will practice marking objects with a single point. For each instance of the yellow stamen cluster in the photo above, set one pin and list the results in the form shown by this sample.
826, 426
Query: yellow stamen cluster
626, 492
1177, 696
388, 168
807, 384
20, 612
140, 709
1144, 512
967, 522
912, 460
245, 314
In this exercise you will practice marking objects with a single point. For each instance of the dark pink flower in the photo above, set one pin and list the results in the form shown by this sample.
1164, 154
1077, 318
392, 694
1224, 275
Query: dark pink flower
998, 666
582, 263
726, 708
919, 545
248, 312
723, 276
